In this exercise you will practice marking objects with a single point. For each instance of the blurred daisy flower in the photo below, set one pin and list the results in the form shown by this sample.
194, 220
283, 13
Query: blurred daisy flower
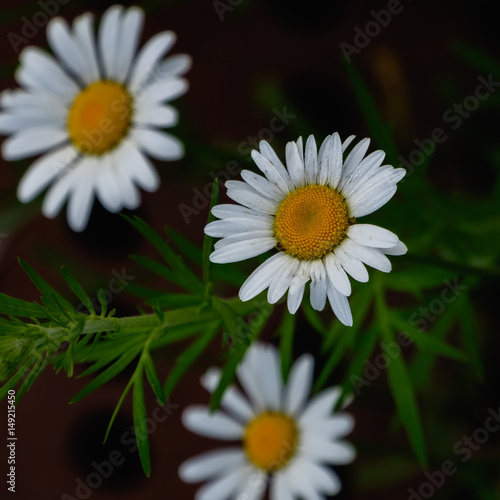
94, 109
283, 437
308, 212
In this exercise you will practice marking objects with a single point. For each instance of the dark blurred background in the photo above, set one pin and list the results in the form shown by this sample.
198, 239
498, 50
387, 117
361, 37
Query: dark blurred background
253, 61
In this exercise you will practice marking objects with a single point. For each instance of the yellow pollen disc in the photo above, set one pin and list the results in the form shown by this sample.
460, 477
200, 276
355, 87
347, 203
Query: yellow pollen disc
310, 221
99, 117
270, 440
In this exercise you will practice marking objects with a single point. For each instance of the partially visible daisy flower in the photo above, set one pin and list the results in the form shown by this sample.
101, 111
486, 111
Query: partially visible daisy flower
283, 439
94, 109
308, 212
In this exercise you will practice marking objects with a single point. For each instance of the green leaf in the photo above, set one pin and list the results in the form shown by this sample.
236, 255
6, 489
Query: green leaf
363, 349
50, 296
400, 383
470, 338
227, 375
139, 415
16, 378
124, 360
158, 269
406, 403
285, 332
189, 280
208, 243
17, 307
379, 130
117, 408
153, 379
36, 370
78, 290
190, 355
426, 341
191, 251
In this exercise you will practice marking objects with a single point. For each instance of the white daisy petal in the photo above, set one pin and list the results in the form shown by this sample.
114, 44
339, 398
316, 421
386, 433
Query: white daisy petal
242, 250
10, 124
352, 265
282, 279
161, 91
279, 487
370, 256
323, 478
228, 227
158, 116
175, 65
300, 485
129, 34
295, 165
337, 275
159, 145
262, 185
40, 70
246, 376
66, 48
58, 192
214, 463
336, 453
213, 425
109, 39
299, 384
295, 299
340, 305
370, 201
43, 171
249, 197
81, 199
268, 152
226, 211
148, 58
130, 195
354, 158
254, 487
348, 141
33, 141
311, 160
318, 285
270, 385
399, 249
300, 148
335, 161
243, 238
372, 236
225, 487
260, 279
232, 400
107, 189
84, 37
320, 406
271, 172
137, 167
336, 426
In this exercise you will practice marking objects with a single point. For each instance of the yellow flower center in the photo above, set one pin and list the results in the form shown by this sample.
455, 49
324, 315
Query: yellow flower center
99, 117
310, 221
270, 441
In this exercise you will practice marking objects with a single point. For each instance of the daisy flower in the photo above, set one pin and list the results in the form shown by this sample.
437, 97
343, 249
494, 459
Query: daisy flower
308, 212
94, 109
284, 440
